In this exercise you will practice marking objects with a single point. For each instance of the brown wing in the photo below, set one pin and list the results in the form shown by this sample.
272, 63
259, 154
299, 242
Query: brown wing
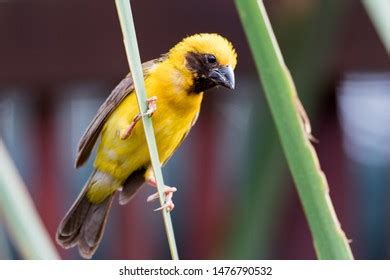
124, 88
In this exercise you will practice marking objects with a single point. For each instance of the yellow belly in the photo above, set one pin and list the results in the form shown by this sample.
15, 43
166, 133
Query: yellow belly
171, 121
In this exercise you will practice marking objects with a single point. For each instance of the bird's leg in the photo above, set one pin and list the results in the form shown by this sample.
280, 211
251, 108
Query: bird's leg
168, 191
152, 107
125, 132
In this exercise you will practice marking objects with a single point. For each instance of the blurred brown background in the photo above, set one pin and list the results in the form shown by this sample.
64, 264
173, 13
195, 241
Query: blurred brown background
60, 59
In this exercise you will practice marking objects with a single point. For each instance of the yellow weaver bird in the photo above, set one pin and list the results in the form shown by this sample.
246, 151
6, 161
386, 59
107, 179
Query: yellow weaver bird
175, 83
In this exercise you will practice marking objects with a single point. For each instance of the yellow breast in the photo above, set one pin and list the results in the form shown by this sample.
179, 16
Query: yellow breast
176, 111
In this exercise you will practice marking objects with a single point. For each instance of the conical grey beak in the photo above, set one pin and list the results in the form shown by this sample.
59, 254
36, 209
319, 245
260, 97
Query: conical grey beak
223, 76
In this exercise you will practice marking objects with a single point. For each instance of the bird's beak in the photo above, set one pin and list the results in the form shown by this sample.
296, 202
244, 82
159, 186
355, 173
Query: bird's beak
223, 76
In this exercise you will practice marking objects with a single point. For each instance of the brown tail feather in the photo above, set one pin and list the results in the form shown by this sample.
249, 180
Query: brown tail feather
84, 224
91, 232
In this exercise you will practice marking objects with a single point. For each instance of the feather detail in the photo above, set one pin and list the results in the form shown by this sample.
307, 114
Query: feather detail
84, 223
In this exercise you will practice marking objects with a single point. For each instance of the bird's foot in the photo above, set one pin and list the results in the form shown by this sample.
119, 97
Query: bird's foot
169, 205
152, 107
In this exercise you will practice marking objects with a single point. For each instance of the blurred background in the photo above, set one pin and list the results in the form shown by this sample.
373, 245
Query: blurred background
59, 60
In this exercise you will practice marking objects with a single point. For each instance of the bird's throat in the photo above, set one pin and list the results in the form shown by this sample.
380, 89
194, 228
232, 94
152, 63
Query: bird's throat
201, 85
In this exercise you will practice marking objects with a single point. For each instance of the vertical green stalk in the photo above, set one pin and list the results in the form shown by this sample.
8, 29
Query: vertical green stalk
132, 52
378, 11
5, 252
264, 191
329, 239
22, 220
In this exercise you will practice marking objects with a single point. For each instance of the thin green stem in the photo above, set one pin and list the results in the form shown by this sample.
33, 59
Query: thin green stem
132, 52
378, 11
22, 220
329, 239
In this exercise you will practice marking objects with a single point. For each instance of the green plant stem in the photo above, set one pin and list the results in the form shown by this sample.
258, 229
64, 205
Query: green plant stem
308, 56
5, 252
378, 10
132, 52
329, 239
22, 220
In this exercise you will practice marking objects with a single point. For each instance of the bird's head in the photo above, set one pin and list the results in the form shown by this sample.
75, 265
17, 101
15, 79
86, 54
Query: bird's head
208, 60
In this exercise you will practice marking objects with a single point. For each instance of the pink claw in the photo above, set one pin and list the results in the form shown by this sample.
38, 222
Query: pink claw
169, 205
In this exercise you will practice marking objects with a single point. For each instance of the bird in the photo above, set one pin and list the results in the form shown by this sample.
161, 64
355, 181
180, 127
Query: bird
175, 84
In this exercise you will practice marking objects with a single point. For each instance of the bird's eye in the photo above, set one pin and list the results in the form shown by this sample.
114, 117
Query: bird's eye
211, 59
